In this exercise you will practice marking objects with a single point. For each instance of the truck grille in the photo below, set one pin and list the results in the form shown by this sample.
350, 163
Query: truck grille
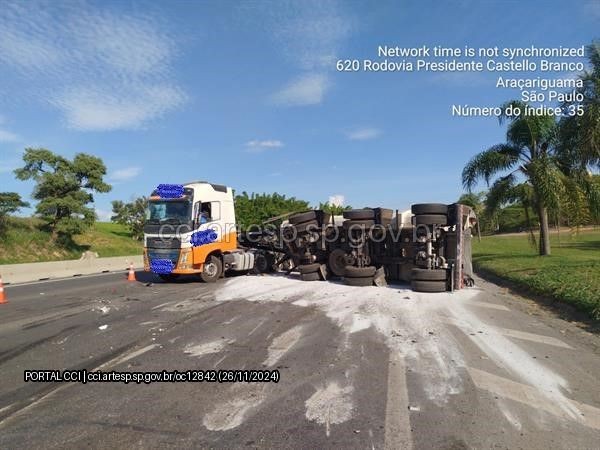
160, 253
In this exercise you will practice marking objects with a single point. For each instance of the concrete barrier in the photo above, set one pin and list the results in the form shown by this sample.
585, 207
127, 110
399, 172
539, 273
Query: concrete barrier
87, 264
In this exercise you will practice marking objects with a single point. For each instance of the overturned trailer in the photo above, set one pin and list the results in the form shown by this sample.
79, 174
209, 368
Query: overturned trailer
428, 246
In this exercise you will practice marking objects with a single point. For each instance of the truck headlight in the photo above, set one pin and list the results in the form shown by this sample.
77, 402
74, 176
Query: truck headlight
185, 259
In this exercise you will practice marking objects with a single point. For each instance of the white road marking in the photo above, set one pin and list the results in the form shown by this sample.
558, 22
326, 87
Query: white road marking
534, 337
397, 421
531, 396
230, 321
123, 358
257, 327
5, 408
489, 305
220, 361
161, 305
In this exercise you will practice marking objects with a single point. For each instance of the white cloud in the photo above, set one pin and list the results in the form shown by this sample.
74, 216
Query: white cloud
125, 174
311, 33
363, 134
7, 136
99, 109
337, 200
103, 215
257, 146
306, 90
102, 70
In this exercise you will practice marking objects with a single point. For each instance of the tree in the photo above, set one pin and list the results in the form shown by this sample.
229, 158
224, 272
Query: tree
580, 133
579, 140
10, 202
64, 188
529, 152
132, 215
254, 209
336, 210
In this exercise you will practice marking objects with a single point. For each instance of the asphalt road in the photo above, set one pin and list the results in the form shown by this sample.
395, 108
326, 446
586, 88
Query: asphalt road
360, 367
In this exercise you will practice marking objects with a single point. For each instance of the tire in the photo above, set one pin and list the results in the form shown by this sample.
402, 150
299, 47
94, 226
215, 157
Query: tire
169, 277
212, 269
359, 214
364, 281
304, 226
309, 268
261, 264
313, 276
429, 274
428, 286
429, 208
337, 262
302, 217
356, 224
431, 219
359, 272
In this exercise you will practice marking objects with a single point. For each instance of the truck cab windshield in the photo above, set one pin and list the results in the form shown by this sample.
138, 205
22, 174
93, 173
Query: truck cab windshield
178, 211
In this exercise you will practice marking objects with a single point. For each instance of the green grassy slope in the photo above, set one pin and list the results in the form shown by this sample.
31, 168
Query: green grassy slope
571, 274
25, 242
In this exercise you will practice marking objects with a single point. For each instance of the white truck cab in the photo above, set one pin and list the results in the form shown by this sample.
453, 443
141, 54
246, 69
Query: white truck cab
191, 229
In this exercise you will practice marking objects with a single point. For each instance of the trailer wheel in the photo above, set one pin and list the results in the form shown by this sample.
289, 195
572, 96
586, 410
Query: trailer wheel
212, 269
313, 276
431, 219
305, 226
359, 272
337, 262
429, 274
364, 281
261, 264
359, 214
428, 286
355, 224
302, 217
429, 208
169, 277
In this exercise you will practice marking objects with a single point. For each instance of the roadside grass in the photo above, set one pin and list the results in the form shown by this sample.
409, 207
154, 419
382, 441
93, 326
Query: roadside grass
571, 274
24, 242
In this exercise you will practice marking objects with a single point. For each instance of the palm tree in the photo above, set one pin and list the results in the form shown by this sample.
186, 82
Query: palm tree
578, 148
528, 156
580, 134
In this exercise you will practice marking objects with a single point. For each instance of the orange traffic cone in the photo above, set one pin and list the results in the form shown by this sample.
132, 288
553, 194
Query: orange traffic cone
131, 276
2, 296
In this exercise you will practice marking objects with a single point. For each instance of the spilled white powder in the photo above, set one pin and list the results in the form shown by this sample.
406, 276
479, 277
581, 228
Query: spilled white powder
231, 413
207, 348
405, 323
330, 405
413, 324
282, 344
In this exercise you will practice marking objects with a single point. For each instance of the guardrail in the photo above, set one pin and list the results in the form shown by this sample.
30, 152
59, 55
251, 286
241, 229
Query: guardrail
88, 264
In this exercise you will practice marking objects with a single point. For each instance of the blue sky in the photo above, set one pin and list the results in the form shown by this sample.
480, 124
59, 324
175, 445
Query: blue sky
246, 94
